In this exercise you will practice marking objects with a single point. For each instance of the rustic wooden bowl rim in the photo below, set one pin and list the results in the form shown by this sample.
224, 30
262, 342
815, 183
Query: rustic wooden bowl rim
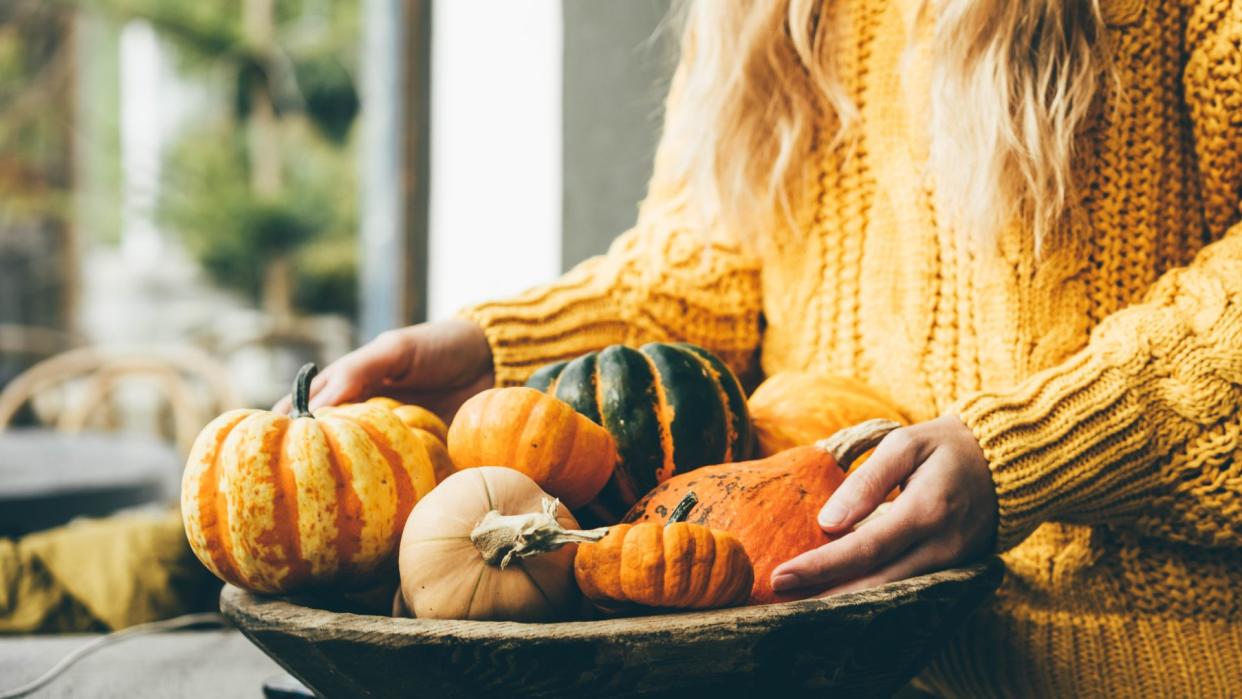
249, 609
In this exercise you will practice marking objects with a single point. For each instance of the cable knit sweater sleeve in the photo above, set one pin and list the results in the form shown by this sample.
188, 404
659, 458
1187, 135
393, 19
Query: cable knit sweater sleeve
1144, 426
664, 280
657, 283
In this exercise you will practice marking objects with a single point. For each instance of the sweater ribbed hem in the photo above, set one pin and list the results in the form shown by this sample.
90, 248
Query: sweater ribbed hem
521, 344
1066, 444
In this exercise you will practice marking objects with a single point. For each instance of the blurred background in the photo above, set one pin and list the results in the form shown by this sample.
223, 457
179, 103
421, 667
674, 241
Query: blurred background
196, 197
235, 187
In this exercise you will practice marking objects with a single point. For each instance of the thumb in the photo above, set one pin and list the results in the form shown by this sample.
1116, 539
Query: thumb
347, 384
891, 463
361, 372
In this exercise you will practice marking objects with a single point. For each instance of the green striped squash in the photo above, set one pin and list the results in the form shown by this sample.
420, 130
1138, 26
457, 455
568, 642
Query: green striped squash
670, 407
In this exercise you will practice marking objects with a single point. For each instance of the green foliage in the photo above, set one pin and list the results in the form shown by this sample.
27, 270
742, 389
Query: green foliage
324, 175
234, 234
206, 196
34, 93
326, 277
210, 31
329, 95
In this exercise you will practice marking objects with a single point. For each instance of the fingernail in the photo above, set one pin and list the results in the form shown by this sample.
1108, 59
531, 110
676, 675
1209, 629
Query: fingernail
832, 515
784, 581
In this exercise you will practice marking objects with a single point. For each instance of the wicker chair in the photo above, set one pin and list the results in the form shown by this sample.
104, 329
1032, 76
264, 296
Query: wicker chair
193, 385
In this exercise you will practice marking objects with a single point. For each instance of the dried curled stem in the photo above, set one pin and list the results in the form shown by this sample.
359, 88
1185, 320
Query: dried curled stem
852, 442
501, 538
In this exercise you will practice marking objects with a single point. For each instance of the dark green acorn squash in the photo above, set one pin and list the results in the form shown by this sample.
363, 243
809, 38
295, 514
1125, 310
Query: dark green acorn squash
670, 407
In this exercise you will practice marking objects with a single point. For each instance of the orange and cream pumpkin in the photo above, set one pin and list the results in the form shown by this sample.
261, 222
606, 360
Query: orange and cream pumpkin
428, 428
278, 503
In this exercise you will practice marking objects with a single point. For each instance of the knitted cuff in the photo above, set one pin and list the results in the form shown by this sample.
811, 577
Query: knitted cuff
1071, 443
548, 324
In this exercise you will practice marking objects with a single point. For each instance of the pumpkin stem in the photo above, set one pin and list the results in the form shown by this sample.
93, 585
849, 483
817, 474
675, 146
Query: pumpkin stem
683, 508
501, 538
852, 442
301, 390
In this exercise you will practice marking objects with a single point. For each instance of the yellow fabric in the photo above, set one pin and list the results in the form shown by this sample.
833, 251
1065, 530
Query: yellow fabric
101, 574
1104, 380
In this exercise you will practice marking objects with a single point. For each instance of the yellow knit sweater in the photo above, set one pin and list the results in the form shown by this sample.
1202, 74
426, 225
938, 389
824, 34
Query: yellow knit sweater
1104, 382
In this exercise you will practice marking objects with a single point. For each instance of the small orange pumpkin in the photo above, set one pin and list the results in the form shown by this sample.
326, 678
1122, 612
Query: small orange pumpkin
428, 428
675, 565
796, 409
565, 453
770, 504
279, 503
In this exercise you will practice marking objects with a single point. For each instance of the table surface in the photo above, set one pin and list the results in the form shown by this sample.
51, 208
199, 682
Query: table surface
47, 478
188, 664
39, 462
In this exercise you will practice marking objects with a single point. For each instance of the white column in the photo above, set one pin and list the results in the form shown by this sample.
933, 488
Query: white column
142, 129
495, 206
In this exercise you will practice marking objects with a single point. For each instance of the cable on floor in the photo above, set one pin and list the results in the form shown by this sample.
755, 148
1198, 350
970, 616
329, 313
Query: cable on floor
181, 622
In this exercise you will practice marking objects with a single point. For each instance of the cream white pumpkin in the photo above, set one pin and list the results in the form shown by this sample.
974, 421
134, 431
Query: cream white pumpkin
489, 544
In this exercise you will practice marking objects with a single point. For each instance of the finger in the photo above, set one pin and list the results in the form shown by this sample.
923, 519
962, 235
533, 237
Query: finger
879, 511
283, 405
858, 553
891, 463
343, 388
360, 372
349, 378
922, 558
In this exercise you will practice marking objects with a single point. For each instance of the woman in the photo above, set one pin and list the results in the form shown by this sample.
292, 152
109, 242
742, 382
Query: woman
1017, 219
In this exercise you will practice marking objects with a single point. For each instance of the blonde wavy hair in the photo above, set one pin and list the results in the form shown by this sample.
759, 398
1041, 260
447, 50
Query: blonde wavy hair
1012, 82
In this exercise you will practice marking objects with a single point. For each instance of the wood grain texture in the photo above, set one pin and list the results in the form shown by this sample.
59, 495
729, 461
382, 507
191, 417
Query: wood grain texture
863, 644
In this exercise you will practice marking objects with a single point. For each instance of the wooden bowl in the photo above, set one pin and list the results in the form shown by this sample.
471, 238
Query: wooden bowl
862, 644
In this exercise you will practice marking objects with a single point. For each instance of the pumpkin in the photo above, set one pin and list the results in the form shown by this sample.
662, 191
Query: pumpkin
279, 503
794, 409
441, 463
415, 417
489, 544
673, 565
670, 407
428, 428
566, 454
771, 504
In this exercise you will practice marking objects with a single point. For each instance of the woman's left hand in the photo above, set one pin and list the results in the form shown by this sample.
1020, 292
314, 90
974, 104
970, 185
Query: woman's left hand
946, 512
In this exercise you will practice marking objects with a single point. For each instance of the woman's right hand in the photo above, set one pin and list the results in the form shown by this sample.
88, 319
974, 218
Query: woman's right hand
436, 365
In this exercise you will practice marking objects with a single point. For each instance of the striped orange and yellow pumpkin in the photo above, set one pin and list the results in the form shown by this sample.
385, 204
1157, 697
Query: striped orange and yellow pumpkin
278, 503
428, 428
415, 417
